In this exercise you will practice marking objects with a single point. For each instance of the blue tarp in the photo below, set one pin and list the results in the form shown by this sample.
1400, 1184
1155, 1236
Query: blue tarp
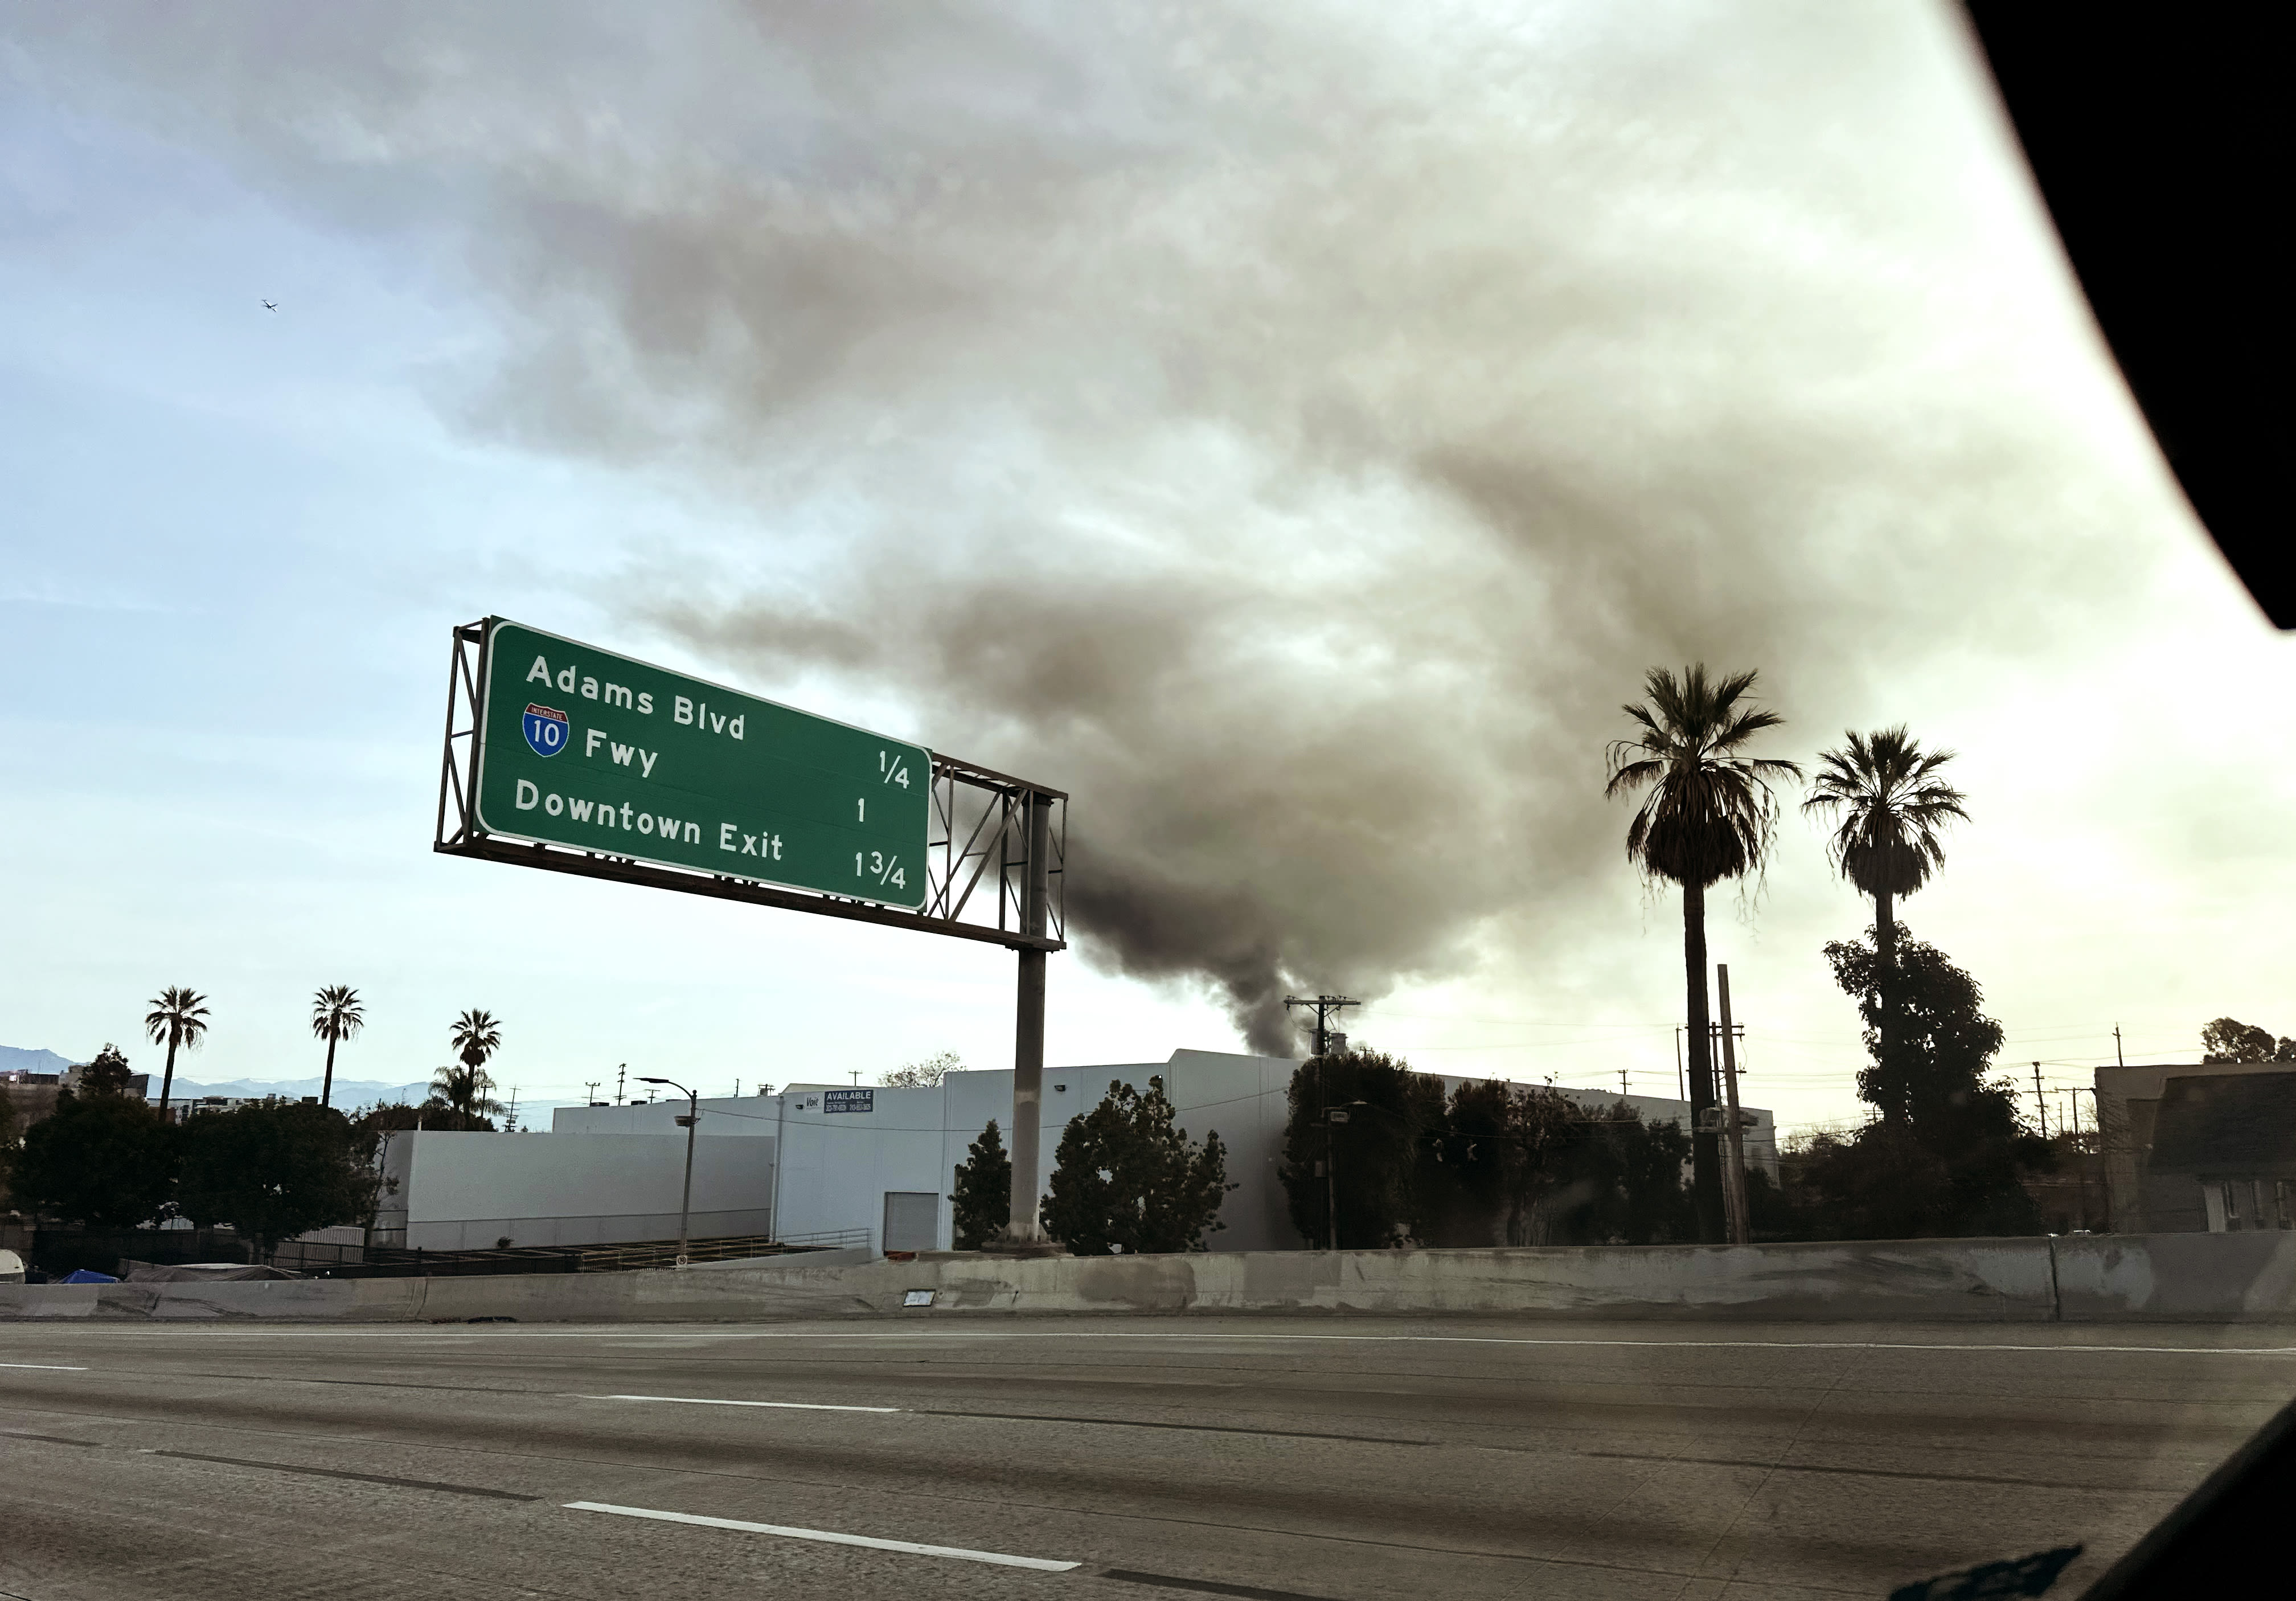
81, 1275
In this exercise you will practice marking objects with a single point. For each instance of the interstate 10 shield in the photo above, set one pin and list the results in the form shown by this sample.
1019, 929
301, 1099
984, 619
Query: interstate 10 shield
545, 729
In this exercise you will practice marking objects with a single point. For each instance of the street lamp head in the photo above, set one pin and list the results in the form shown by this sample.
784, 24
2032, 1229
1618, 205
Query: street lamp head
644, 1079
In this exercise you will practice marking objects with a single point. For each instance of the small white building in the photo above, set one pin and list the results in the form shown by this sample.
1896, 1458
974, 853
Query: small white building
864, 1156
473, 1191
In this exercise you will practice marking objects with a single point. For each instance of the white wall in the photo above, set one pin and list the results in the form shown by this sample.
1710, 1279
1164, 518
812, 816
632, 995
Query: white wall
467, 1191
728, 1117
838, 1165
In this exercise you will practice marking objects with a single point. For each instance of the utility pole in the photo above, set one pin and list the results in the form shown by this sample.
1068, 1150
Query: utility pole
2117, 1054
592, 1086
620, 1074
2039, 1104
1622, 1083
1680, 1090
512, 1118
1322, 1037
1736, 1191
2081, 1165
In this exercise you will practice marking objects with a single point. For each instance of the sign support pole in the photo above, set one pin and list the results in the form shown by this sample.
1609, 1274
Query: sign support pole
1029, 1028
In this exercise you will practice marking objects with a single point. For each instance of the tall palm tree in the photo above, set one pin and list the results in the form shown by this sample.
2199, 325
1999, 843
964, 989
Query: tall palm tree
336, 1014
1709, 816
1891, 808
178, 1017
476, 1036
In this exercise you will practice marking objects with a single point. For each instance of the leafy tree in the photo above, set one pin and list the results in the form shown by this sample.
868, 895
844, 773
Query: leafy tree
1543, 1162
1652, 1207
1711, 814
1389, 1110
178, 1017
1892, 808
10, 1142
1526, 1165
272, 1169
107, 1075
2228, 1039
983, 1201
922, 1075
1945, 1155
336, 1014
105, 1160
1466, 1173
1944, 1047
1125, 1177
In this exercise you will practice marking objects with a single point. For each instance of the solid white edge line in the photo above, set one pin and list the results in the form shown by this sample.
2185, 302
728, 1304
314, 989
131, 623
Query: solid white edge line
44, 1367
827, 1537
706, 1401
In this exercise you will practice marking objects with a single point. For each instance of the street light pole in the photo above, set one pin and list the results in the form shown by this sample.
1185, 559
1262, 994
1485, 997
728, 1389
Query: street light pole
691, 1119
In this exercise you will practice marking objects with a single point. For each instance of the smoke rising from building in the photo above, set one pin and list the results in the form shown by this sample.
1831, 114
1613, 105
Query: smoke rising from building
1292, 432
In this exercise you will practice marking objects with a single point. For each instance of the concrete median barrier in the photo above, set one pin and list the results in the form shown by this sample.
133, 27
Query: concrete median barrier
2198, 1277
2177, 1278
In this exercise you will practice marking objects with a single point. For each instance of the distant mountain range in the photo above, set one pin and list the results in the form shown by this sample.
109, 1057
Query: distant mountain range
350, 1094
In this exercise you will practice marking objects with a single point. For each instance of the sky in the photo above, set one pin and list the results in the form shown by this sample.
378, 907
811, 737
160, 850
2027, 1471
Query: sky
1293, 434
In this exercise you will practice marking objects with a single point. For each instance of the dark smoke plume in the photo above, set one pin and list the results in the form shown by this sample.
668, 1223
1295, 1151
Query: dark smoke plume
1291, 431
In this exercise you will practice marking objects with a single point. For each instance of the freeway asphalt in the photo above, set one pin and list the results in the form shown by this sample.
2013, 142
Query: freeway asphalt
1074, 1459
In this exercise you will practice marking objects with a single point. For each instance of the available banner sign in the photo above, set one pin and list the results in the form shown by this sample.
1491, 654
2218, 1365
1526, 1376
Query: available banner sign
581, 747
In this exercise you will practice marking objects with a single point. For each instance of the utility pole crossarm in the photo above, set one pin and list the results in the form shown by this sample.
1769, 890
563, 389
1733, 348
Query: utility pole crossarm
1326, 1007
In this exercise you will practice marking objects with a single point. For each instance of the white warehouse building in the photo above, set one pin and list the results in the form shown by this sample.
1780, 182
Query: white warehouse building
825, 1161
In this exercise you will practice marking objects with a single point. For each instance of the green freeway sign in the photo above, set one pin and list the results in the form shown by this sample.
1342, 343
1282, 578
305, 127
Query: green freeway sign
580, 747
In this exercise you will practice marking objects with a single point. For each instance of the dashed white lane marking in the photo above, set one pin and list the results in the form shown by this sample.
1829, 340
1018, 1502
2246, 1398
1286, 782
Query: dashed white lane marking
706, 1401
44, 1367
614, 1332
828, 1537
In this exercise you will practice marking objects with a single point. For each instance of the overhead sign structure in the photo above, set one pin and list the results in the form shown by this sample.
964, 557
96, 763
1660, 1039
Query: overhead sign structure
574, 759
584, 748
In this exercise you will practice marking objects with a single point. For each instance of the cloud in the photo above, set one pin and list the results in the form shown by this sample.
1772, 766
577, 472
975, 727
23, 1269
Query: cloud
1293, 434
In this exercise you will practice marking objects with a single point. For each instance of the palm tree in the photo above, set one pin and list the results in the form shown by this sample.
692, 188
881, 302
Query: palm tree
476, 1036
466, 1091
336, 1014
1709, 816
1892, 806
178, 1017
